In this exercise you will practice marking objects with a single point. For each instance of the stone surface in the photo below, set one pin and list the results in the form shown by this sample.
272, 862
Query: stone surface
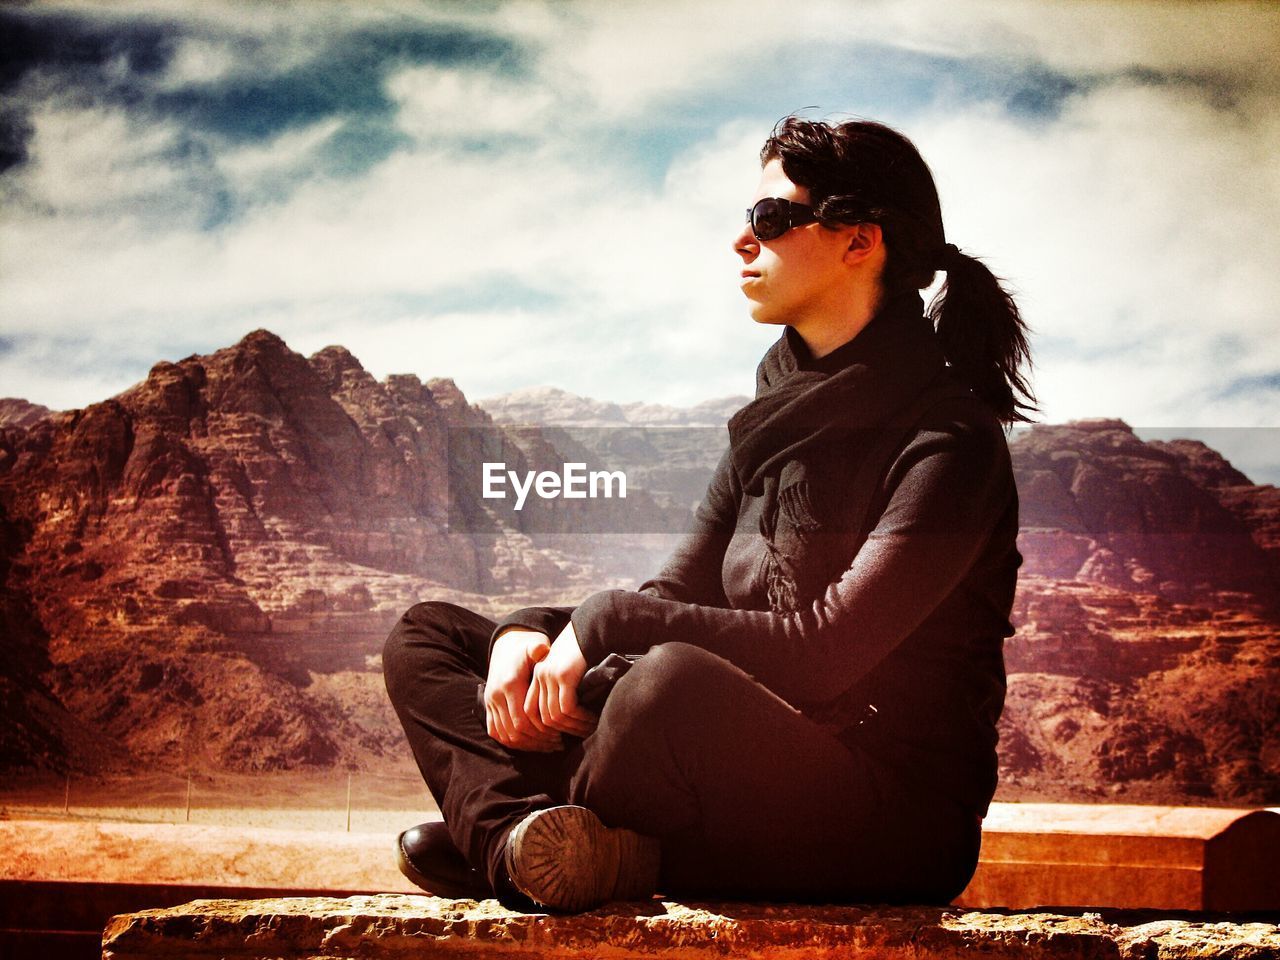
403, 926
1127, 856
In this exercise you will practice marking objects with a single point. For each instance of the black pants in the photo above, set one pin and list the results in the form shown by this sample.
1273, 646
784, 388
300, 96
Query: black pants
749, 798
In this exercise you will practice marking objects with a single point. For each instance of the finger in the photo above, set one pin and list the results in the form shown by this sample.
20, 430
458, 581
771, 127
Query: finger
584, 731
491, 715
531, 696
577, 721
514, 740
573, 725
538, 692
530, 707
570, 708
534, 710
519, 742
547, 702
574, 717
519, 722
535, 740
579, 728
527, 726
501, 725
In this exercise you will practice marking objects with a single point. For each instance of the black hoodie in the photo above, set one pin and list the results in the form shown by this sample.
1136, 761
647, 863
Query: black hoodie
899, 568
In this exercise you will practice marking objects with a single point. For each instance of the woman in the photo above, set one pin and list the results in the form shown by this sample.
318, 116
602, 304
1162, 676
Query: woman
814, 714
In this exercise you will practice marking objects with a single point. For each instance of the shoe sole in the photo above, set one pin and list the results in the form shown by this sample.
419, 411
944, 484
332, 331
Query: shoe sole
565, 858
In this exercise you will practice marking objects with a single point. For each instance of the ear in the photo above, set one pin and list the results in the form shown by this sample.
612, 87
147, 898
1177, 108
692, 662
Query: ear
863, 242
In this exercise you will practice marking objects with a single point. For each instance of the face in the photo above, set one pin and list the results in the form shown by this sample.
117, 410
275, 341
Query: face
798, 276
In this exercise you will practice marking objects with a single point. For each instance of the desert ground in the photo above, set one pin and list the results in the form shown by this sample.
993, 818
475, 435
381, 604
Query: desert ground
379, 803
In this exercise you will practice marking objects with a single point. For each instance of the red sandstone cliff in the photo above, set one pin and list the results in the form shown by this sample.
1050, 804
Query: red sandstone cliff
199, 572
202, 568
1147, 657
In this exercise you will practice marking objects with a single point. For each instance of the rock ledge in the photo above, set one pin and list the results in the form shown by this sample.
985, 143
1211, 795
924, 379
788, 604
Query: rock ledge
403, 926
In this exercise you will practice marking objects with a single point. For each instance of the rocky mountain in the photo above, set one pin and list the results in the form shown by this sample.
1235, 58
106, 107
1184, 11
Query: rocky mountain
199, 572
20, 413
1121, 693
670, 451
552, 406
1146, 662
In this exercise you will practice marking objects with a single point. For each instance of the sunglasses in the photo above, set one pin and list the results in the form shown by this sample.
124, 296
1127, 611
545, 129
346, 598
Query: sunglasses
771, 217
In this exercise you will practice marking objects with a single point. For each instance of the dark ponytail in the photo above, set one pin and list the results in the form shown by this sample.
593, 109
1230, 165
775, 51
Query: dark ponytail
982, 334
863, 171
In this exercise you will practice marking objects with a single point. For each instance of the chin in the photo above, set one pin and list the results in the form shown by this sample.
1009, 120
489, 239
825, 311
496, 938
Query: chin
766, 319
762, 316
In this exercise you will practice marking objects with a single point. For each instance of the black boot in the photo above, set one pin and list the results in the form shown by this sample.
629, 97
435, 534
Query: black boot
427, 855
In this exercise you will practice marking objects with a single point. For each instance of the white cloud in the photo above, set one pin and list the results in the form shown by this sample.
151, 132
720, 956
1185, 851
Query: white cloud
624, 58
1142, 215
1236, 37
436, 102
202, 60
88, 159
1139, 230
286, 153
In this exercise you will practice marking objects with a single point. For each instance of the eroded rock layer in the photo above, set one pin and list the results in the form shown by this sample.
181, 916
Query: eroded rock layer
198, 573
202, 569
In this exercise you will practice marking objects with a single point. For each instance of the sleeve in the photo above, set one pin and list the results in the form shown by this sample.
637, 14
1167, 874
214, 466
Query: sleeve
690, 575
948, 488
692, 572
547, 620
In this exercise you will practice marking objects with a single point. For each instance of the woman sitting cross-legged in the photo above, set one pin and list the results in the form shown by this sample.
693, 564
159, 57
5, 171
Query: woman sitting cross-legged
810, 714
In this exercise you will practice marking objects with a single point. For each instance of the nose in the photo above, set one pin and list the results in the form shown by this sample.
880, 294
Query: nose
745, 244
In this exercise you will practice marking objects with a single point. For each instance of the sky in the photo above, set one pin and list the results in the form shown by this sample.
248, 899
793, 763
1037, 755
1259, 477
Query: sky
526, 193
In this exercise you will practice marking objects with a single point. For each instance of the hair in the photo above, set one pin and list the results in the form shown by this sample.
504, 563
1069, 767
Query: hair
861, 171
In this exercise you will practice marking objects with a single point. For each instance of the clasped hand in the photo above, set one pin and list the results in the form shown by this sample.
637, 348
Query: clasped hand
531, 693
